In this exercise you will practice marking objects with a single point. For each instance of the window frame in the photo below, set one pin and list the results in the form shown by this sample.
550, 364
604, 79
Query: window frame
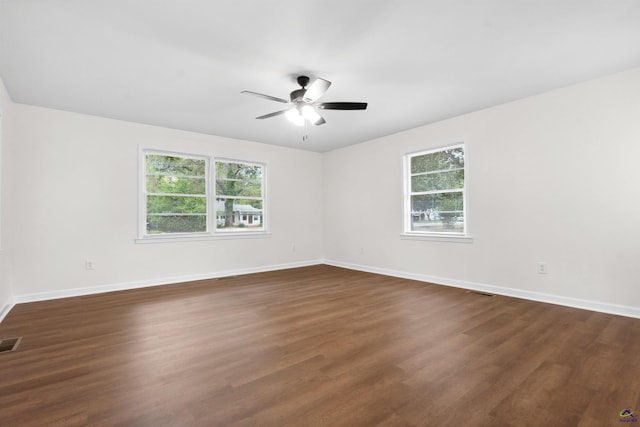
263, 198
212, 231
453, 236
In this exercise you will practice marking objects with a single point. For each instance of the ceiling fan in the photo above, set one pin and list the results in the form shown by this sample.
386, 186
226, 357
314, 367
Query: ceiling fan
304, 102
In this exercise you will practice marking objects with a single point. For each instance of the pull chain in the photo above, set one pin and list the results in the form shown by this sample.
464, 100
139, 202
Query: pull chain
305, 137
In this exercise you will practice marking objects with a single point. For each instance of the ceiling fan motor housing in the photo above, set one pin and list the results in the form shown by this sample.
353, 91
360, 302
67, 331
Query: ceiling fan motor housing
303, 81
296, 95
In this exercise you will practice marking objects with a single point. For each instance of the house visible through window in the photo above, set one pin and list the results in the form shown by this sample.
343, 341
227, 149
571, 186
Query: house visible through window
179, 197
239, 192
435, 192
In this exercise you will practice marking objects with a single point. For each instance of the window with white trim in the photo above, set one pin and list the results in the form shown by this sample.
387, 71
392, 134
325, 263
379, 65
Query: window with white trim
435, 192
180, 199
239, 196
176, 196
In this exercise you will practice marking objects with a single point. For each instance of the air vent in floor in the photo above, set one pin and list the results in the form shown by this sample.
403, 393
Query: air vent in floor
484, 294
9, 344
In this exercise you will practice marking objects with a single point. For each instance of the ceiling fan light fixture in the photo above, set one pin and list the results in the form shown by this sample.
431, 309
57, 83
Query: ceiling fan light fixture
294, 116
304, 103
309, 113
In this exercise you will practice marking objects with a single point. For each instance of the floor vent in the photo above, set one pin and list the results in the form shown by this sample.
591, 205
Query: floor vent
9, 344
484, 294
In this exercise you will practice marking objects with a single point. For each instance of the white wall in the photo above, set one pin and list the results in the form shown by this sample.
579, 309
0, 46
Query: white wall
75, 196
552, 178
5, 126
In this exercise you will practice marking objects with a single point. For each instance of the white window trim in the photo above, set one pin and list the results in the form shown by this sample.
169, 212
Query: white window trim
163, 238
407, 233
265, 216
211, 233
437, 238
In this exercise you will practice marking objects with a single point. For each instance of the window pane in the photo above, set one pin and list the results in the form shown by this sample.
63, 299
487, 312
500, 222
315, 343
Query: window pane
175, 166
233, 214
176, 224
441, 160
442, 212
238, 179
176, 204
180, 176
178, 188
175, 185
450, 180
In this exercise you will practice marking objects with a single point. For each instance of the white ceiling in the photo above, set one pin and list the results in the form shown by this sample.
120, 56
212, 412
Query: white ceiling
183, 63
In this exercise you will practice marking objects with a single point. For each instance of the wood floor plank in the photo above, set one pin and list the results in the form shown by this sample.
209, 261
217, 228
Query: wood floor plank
315, 346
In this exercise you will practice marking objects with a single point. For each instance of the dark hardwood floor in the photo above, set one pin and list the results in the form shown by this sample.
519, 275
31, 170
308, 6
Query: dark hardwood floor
315, 346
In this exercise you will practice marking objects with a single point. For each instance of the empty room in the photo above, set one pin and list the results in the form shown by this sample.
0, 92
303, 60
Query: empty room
296, 213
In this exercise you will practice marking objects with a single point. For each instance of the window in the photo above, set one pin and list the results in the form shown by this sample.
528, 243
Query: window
176, 193
435, 192
179, 199
239, 196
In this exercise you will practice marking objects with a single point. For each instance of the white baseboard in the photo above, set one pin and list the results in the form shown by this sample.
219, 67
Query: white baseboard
6, 309
621, 310
66, 293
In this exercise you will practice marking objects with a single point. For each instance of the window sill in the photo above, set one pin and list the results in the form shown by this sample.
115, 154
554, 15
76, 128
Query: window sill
437, 237
201, 237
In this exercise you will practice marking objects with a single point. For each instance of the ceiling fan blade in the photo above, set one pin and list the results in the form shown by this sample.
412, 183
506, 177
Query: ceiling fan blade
277, 113
316, 90
343, 105
261, 95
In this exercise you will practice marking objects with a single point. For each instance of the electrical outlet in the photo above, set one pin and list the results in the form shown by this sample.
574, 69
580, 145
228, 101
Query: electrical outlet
542, 268
293, 248
88, 265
